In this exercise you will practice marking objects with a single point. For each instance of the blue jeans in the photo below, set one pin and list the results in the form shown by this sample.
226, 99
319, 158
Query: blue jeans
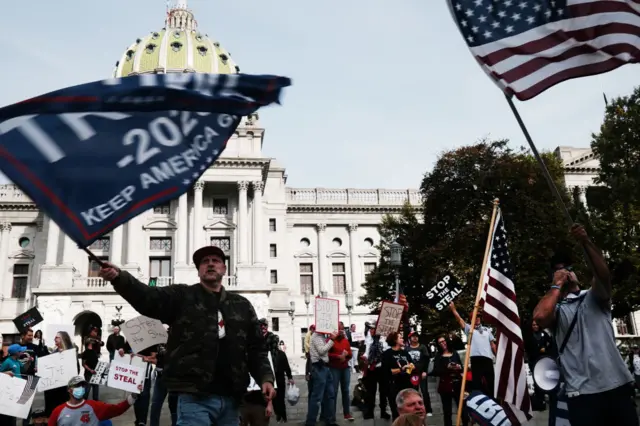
141, 406
157, 399
202, 411
342, 378
322, 392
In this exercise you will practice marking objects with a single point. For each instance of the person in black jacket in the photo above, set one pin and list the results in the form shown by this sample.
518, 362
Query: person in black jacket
215, 341
115, 342
538, 344
282, 368
448, 366
420, 355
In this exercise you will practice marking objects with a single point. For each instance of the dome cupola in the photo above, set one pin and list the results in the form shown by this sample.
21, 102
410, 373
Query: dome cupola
178, 47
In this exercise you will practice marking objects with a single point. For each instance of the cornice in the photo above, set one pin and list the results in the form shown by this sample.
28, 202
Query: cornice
582, 170
19, 207
232, 163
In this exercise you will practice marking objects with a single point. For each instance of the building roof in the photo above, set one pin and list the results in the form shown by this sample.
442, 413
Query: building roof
176, 48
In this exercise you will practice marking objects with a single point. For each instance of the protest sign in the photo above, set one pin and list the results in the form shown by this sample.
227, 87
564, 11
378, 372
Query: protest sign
357, 336
327, 315
17, 395
125, 376
485, 411
134, 360
147, 136
56, 369
389, 319
444, 292
143, 332
27, 319
101, 374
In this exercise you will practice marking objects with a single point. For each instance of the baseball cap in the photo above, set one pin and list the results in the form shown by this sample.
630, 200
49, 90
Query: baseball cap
16, 349
75, 381
205, 251
413, 333
263, 321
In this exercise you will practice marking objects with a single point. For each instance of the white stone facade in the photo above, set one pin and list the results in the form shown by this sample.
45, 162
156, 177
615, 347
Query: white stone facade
276, 238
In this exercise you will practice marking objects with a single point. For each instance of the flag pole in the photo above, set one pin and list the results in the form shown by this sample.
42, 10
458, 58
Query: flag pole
476, 306
93, 257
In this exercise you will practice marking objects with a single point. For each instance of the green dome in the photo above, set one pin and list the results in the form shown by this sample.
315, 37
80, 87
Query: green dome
178, 47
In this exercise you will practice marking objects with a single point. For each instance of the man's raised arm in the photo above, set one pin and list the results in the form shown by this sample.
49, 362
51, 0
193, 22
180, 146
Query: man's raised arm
162, 303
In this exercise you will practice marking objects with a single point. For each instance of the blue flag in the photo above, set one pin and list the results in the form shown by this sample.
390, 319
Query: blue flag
96, 155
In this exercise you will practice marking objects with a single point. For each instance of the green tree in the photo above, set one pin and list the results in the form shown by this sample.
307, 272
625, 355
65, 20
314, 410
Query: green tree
614, 206
458, 200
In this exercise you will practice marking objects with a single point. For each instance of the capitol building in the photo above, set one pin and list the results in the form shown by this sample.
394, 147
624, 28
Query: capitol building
285, 245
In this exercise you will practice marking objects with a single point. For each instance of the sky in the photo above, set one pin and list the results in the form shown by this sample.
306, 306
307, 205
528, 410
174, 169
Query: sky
380, 88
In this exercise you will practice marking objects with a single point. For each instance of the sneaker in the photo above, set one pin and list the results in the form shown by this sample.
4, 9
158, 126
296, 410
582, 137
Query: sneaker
349, 418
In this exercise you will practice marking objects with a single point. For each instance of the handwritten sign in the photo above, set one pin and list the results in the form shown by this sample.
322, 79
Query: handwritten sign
143, 332
126, 377
101, 374
16, 395
27, 319
357, 336
56, 369
389, 319
327, 315
444, 292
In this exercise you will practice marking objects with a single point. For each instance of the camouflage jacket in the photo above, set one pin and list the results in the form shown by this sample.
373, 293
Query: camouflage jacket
192, 347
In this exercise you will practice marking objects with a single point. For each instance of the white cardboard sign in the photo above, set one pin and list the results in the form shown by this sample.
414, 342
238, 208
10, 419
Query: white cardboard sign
125, 376
143, 332
57, 369
389, 319
101, 374
357, 336
327, 315
16, 396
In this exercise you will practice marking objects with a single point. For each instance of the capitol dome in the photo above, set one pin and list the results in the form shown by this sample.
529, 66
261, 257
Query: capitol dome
178, 47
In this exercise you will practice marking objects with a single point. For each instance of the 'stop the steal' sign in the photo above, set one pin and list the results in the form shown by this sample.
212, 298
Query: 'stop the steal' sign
389, 319
96, 155
444, 292
143, 332
327, 315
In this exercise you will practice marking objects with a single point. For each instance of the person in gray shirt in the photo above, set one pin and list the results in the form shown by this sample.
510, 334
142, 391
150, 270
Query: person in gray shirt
597, 380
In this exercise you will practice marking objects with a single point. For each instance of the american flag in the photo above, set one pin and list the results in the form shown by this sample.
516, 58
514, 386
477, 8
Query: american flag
29, 389
528, 46
500, 310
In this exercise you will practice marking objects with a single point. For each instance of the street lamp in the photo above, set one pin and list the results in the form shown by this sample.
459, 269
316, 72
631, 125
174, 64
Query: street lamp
307, 301
292, 314
396, 262
348, 302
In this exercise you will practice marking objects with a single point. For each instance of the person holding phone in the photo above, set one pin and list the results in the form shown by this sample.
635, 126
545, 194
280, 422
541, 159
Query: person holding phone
447, 365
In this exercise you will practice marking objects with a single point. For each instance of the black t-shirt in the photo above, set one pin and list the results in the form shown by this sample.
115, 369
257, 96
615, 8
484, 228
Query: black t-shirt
222, 377
392, 359
34, 352
90, 358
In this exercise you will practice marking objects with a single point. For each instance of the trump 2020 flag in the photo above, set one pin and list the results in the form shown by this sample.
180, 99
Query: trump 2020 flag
528, 46
94, 156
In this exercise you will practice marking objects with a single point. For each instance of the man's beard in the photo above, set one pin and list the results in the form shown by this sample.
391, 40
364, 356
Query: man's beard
212, 277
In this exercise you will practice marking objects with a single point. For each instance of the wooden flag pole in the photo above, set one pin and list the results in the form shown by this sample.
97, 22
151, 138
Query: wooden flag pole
465, 369
93, 257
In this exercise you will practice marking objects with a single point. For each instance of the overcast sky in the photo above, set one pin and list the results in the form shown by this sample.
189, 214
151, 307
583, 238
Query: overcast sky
380, 88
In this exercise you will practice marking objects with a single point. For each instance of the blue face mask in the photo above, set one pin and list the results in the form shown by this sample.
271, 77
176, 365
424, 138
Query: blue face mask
78, 393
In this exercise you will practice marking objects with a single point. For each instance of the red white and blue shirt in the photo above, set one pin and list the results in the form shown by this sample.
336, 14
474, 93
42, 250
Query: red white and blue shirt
87, 413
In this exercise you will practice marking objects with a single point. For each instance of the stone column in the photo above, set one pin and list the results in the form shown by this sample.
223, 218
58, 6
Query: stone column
5, 285
132, 239
115, 256
198, 232
181, 232
242, 222
258, 222
353, 257
323, 274
68, 250
53, 234
582, 194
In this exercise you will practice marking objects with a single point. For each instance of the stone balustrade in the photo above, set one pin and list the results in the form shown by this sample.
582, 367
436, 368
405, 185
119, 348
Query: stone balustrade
382, 197
10, 193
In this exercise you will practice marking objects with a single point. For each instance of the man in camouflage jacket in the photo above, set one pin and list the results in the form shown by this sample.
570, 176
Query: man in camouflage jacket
271, 340
196, 335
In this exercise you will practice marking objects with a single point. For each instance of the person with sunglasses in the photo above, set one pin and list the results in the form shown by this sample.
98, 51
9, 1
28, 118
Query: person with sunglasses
483, 348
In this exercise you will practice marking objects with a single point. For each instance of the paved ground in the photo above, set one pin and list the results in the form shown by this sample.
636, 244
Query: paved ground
295, 414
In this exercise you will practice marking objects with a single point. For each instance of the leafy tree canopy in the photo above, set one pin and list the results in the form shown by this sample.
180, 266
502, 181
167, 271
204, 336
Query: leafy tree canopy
458, 200
614, 206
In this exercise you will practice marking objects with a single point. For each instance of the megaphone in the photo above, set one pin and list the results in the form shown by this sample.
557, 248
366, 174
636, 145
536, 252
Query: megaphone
546, 374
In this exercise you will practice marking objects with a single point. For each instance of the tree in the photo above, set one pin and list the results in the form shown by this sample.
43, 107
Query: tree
458, 198
614, 206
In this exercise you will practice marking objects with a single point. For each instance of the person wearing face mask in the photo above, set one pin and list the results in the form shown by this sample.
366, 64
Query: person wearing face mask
79, 411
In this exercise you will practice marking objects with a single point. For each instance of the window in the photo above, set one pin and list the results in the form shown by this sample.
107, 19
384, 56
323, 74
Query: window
306, 278
24, 242
220, 206
274, 276
275, 324
339, 278
224, 243
102, 243
368, 268
20, 280
160, 267
160, 244
164, 208
272, 225
273, 250
94, 268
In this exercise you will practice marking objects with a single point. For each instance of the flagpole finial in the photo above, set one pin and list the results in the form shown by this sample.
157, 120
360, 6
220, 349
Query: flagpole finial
496, 201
